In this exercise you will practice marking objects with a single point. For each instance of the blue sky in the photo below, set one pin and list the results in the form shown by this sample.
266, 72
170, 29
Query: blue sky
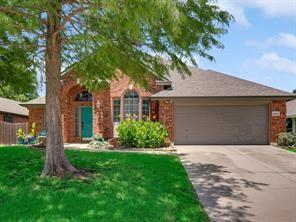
261, 45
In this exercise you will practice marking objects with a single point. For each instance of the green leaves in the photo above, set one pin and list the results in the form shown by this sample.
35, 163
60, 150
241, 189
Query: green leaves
142, 38
142, 134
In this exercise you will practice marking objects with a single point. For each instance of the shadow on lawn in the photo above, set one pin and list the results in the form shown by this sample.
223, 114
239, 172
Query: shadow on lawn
221, 195
125, 187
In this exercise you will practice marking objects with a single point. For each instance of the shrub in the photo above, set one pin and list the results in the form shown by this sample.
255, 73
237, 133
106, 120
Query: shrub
286, 139
141, 134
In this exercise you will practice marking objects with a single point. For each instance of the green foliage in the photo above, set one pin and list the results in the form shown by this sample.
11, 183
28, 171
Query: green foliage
141, 134
18, 76
124, 187
100, 36
286, 139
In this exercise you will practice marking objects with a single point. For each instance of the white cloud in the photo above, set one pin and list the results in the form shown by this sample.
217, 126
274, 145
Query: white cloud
283, 39
270, 8
273, 61
236, 10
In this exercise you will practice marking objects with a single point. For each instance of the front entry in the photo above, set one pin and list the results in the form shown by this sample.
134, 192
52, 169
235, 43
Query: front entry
86, 122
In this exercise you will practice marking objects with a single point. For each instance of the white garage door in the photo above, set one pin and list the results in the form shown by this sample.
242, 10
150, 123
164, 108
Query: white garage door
221, 124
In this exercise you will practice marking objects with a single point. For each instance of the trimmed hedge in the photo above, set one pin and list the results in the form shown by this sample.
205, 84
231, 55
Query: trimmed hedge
141, 134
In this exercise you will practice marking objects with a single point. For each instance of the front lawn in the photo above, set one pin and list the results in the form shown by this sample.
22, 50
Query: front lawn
124, 187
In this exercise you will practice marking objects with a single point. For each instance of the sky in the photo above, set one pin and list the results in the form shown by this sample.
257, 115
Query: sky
260, 45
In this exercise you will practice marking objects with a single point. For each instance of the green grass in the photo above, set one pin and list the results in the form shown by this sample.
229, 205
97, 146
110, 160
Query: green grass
126, 187
292, 150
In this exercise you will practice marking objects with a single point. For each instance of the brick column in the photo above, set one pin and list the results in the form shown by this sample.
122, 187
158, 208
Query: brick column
102, 121
166, 116
277, 122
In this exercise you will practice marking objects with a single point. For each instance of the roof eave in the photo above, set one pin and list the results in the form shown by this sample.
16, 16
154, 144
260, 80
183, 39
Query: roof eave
285, 97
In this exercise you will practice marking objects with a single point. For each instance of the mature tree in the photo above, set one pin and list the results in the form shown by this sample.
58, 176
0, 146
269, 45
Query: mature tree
18, 73
294, 91
96, 37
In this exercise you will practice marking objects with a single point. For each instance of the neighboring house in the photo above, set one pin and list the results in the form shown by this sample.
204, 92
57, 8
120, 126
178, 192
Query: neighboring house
291, 116
206, 108
11, 111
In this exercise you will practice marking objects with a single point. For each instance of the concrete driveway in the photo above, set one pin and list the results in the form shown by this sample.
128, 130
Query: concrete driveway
243, 183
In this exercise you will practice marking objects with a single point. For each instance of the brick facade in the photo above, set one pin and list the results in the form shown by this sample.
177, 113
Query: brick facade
101, 105
36, 114
162, 110
166, 116
277, 123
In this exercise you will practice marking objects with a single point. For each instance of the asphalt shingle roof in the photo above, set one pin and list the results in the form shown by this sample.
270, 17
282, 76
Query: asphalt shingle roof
291, 108
11, 106
37, 101
209, 83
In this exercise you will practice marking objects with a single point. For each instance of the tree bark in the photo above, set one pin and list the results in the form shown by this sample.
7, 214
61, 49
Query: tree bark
56, 162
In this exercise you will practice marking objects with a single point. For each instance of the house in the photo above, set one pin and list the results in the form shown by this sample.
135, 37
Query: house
291, 116
206, 108
11, 111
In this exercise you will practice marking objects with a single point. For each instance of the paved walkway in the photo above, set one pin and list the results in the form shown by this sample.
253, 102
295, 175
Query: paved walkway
243, 183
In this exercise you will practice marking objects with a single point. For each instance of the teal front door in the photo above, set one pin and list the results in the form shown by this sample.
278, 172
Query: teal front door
86, 122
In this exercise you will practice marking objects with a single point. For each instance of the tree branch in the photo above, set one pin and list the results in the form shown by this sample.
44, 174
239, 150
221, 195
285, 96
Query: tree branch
68, 18
21, 13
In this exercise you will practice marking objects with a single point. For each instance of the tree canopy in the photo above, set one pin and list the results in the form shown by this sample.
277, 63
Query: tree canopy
97, 37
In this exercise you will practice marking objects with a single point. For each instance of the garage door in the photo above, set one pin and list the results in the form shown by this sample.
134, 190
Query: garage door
221, 124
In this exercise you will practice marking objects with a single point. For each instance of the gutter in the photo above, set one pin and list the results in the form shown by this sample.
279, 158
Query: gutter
285, 97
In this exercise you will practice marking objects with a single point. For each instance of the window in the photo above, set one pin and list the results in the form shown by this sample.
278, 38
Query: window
8, 118
131, 105
145, 109
116, 110
84, 96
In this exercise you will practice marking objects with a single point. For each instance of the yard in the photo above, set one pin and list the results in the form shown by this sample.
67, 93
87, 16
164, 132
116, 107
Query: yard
123, 187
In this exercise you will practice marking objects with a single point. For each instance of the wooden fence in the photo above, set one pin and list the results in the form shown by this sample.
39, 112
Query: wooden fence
8, 132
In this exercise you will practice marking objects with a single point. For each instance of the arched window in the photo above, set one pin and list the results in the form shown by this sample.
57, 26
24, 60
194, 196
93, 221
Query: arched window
131, 105
84, 96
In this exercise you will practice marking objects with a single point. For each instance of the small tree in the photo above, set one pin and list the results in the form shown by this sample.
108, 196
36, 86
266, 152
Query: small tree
96, 37
294, 91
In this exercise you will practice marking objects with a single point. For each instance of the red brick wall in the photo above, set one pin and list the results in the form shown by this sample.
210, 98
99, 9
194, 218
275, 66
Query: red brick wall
277, 123
1, 117
102, 106
166, 116
36, 114
102, 119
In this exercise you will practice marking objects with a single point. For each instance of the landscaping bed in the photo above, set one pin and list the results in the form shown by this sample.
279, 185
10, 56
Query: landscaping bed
122, 187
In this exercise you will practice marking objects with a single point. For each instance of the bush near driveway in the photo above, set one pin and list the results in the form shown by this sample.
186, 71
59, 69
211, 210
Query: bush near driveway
123, 187
286, 139
142, 134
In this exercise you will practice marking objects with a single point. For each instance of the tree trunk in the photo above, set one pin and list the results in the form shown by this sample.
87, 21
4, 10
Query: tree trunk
56, 162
